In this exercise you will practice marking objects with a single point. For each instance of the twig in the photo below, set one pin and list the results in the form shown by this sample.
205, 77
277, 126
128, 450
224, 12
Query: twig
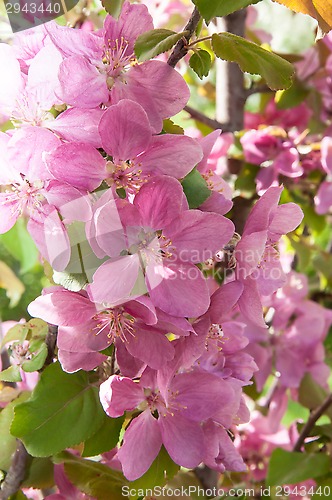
210, 122
16, 473
315, 415
50, 342
181, 49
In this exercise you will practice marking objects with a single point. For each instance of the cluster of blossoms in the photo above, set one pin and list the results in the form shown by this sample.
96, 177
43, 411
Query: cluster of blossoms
98, 177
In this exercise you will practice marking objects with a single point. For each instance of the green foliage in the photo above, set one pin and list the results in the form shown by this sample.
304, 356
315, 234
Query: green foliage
63, 411
220, 8
20, 245
106, 437
312, 395
7, 441
252, 58
95, 479
195, 189
155, 42
200, 62
113, 7
288, 467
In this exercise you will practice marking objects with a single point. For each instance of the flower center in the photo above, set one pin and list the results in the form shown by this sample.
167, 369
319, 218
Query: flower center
116, 323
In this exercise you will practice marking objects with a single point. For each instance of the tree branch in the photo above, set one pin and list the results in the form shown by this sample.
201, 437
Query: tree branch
180, 49
16, 473
315, 415
210, 122
50, 342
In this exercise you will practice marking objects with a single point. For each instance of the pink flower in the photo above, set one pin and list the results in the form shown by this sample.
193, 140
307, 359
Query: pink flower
171, 415
135, 153
86, 328
100, 68
157, 240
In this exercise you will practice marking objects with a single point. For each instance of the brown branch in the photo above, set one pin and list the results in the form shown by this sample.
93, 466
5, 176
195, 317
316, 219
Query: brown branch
210, 122
16, 472
50, 342
180, 49
315, 415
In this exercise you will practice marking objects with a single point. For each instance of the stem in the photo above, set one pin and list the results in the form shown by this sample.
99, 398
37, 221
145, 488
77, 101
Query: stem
315, 415
199, 40
16, 473
181, 48
50, 342
210, 122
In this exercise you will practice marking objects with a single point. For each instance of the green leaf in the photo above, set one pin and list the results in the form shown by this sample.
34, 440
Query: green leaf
195, 189
200, 62
312, 395
288, 467
220, 8
21, 246
11, 374
169, 127
154, 42
71, 281
7, 441
161, 471
40, 474
18, 333
37, 360
291, 97
95, 479
63, 411
113, 7
105, 438
252, 58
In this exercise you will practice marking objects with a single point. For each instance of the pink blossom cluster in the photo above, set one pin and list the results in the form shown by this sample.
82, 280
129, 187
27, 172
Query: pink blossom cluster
89, 165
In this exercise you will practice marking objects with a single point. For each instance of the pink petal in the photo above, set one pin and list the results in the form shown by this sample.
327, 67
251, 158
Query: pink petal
72, 204
174, 155
142, 308
33, 143
87, 166
118, 394
197, 236
63, 308
179, 289
183, 439
11, 81
326, 152
259, 216
114, 280
224, 299
77, 125
249, 252
250, 303
150, 346
82, 85
9, 212
159, 201
216, 203
287, 163
125, 130
286, 218
323, 199
142, 442
74, 361
73, 42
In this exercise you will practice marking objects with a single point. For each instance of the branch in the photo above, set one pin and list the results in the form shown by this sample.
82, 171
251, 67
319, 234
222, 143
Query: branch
315, 415
16, 473
181, 49
210, 122
50, 342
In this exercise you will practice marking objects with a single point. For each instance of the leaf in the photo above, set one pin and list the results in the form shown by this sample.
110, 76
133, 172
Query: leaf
20, 245
291, 97
318, 9
63, 411
154, 42
161, 471
7, 441
93, 478
252, 58
195, 189
169, 127
287, 467
13, 286
113, 7
37, 360
106, 437
18, 333
312, 395
11, 374
220, 8
40, 474
200, 62
71, 281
